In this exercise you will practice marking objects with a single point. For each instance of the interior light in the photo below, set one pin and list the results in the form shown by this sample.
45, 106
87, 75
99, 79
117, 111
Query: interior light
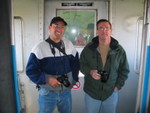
73, 31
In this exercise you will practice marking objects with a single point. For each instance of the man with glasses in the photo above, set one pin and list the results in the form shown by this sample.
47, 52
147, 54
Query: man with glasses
54, 66
104, 63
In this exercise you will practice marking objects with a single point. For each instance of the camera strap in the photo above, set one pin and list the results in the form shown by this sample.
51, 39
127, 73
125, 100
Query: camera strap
53, 44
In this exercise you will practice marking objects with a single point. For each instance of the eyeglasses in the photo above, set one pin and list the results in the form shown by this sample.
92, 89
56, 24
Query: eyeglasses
103, 28
59, 26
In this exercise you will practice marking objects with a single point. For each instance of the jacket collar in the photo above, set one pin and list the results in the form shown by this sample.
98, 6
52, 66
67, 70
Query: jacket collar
113, 44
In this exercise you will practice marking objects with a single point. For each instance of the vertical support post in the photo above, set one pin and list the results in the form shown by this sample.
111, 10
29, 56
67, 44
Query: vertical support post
7, 95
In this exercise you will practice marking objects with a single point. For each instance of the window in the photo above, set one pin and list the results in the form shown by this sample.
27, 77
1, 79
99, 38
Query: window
81, 25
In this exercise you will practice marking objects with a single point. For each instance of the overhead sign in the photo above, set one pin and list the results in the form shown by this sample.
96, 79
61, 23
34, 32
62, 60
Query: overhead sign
77, 4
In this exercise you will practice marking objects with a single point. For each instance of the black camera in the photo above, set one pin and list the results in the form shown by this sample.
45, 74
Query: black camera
64, 80
104, 76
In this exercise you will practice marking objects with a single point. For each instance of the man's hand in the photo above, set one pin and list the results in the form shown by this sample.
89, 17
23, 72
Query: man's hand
95, 75
116, 89
53, 82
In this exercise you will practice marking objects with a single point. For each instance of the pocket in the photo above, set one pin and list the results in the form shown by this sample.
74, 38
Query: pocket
43, 91
116, 93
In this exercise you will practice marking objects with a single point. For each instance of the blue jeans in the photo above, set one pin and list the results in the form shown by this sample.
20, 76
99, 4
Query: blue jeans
94, 106
48, 100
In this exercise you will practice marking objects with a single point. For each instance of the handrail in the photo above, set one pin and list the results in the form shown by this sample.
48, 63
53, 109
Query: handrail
22, 35
138, 46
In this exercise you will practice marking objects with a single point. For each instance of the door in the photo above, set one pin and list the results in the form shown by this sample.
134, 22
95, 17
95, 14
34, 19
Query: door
81, 17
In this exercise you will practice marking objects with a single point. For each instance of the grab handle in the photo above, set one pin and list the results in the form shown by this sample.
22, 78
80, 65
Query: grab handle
138, 45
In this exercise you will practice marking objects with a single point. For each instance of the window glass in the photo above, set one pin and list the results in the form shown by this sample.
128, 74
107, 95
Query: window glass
80, 29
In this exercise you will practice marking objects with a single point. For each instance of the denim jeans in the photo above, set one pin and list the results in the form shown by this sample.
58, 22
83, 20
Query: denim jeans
94, 106
48, 100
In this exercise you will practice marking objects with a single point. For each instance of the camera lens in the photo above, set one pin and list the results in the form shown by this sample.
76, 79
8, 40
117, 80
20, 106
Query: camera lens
64, 80
104, 76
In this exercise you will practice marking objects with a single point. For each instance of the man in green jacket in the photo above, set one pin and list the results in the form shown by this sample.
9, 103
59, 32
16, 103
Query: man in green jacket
104, 63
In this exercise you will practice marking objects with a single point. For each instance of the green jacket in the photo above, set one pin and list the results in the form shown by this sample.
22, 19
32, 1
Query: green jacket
116, 65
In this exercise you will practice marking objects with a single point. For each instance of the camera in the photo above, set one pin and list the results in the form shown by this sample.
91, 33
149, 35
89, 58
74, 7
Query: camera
64, 80
104, 76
